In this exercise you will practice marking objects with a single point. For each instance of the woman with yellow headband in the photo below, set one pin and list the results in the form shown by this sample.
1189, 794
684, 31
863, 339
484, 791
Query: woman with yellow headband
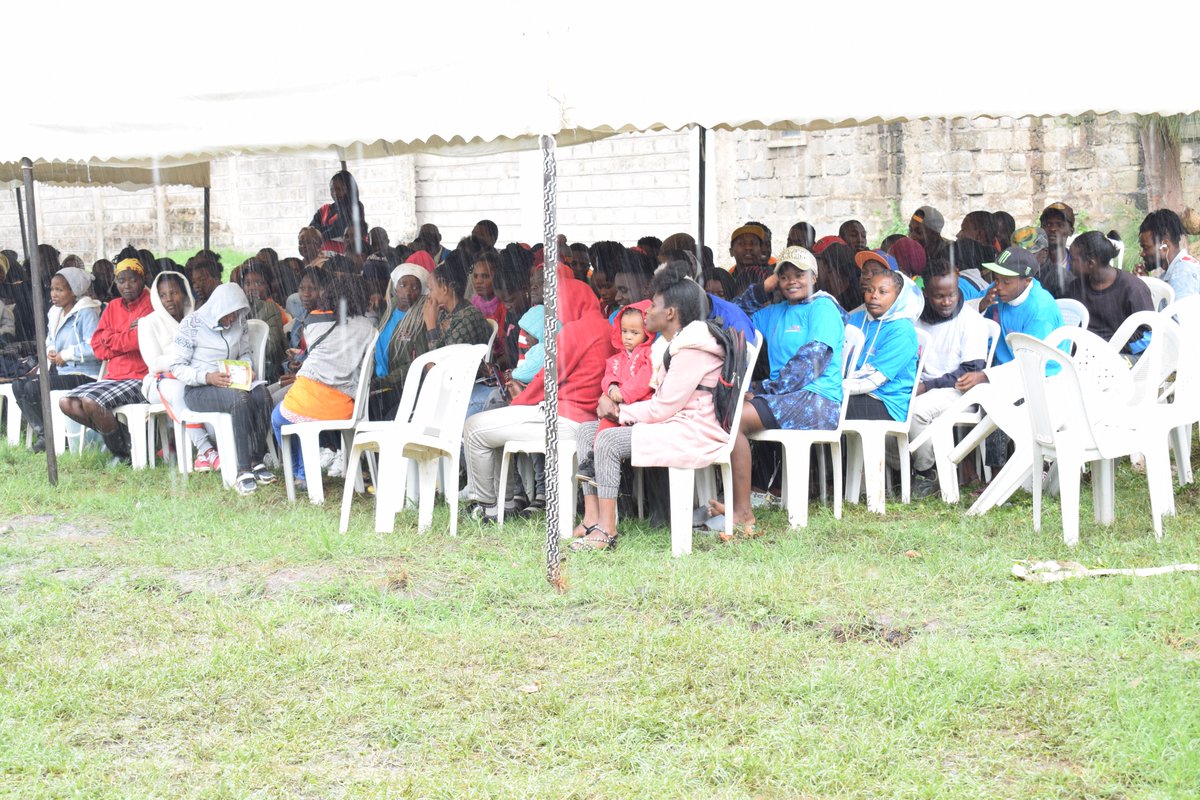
116, 342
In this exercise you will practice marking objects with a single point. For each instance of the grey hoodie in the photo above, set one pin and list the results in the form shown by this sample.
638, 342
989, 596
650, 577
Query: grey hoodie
200, 344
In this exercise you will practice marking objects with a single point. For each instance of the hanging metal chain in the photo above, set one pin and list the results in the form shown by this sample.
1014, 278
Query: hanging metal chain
550, 406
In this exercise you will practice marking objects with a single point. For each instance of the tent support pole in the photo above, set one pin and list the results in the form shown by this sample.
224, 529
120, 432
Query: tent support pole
702, 172
207, 216
39, 319
21, 221
550, 243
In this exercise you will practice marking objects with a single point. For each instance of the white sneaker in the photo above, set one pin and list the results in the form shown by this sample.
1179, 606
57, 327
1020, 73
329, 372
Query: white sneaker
327, 458
337, 469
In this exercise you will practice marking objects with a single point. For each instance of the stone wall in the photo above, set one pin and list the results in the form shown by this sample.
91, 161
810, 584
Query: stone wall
629, 186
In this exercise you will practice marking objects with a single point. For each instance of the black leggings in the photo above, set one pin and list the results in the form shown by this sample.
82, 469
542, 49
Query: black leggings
29, 398
863, 406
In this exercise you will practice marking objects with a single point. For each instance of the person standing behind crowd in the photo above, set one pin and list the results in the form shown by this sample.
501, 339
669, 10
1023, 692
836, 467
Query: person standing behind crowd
746, 245
1164, 252
854, 235
1054, 262
925, 227
72, 320
115, 341
344, 220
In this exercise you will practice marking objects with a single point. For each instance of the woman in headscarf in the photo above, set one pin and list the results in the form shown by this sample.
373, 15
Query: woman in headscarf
70, 324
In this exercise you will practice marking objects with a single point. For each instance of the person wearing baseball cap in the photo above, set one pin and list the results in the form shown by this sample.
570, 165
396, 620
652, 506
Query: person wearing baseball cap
925, 227
803, 334
1054, 262
1021, 305
745, 245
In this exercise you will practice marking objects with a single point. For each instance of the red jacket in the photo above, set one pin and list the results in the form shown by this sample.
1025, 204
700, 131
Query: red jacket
631, 372
115, 342
583, 350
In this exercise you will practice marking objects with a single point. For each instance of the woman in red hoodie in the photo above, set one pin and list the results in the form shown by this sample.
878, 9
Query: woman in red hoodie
115, 342
583, 351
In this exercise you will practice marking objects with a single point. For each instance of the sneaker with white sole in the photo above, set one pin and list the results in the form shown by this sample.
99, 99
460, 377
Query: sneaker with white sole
338, 468
328, 456
208, 461
261, 474
245, 484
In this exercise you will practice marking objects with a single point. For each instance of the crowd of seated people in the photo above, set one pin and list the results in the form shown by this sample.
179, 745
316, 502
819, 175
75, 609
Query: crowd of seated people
636, 358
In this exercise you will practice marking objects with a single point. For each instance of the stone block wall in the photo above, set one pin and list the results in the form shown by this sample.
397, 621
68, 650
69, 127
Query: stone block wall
632, 185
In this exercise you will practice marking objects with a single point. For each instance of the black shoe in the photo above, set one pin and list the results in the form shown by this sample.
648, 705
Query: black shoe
479, 511
262, 475
39, 444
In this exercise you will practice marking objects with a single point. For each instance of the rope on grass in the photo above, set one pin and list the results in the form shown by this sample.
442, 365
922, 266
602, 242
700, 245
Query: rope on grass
550, 273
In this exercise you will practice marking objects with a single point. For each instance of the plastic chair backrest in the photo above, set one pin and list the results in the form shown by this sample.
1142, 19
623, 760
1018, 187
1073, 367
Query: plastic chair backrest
1074, 313
258, 331
442, 401
1069, 407
851, 347
416, 372
364, 380
923, 340
993, 329
1093, 358
1162, 294
495, 326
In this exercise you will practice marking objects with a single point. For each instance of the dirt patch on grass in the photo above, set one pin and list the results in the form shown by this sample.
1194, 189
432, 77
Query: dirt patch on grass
877, 630
66, 532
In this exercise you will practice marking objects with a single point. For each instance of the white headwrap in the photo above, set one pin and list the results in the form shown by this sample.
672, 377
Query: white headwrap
77, 279
412, 271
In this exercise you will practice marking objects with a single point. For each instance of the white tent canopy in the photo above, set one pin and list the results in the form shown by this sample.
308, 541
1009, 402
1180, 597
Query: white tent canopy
240, 78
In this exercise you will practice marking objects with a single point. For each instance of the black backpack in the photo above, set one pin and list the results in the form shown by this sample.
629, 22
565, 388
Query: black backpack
727, 394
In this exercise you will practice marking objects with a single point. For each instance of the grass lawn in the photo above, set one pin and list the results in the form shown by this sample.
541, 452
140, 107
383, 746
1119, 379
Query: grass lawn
166, 638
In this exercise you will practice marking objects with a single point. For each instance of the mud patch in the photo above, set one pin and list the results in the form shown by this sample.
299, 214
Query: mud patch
873, 630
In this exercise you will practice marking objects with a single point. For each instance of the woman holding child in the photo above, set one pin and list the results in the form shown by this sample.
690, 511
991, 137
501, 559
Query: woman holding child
677, 425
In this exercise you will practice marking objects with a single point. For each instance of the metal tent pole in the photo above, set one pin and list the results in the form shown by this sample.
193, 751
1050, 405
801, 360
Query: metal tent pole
21, 220
550, 251
207, 217
703, 189
39, 321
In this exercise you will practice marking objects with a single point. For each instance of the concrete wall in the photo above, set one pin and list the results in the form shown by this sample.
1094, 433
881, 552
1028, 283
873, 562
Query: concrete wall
629, 186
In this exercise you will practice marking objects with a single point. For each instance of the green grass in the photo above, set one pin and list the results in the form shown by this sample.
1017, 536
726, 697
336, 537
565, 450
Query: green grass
165, 638
230, 259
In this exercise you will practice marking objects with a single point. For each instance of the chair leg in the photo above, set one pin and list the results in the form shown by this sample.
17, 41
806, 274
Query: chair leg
943, 444
905, 468
795, 482
310, 453
353, 470
1160, 486
285, 458
1181, 443
835, 459
1068, 496
227, 445
502, 485
1103, 488
682, 485
451, 489
386, 508
854, 467
427, 469
874, 469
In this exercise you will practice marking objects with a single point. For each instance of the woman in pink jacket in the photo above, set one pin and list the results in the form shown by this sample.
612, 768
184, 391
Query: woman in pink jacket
676, 427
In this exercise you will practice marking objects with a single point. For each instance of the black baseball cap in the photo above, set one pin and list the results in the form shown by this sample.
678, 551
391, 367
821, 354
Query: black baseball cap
1015, 262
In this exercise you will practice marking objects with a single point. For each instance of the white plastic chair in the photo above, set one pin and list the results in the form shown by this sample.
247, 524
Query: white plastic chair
13, 417
866, 446
797, 447
568, 460
142, 420
428, 428
1162, 294
1074, 424
495, 326
68, 432
309, 434
682, 480
1074, 313
1183, 393
222, 423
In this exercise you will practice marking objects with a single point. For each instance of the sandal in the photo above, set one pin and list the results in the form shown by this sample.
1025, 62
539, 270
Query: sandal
603, 541
586, 530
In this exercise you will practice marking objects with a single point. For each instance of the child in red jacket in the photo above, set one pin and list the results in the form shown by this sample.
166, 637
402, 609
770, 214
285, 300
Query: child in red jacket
627, 374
